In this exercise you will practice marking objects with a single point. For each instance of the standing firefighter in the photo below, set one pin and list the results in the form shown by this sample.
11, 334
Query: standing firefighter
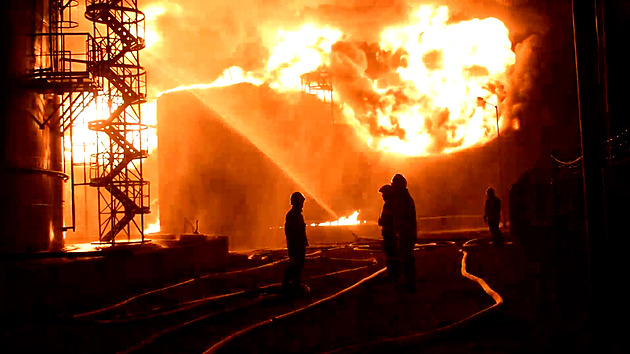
492, 215
405, 228
295, 232
390, 241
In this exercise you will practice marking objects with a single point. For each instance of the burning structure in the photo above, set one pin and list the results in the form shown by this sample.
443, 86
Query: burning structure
403, 97
406, 102
236, 168
401, 90
401, 87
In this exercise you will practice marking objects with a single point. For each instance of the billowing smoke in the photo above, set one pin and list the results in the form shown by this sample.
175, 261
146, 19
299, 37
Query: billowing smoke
523, 77
198, 41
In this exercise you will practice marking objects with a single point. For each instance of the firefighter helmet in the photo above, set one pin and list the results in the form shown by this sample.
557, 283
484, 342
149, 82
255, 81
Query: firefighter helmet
297, 198
386, 189
399, 181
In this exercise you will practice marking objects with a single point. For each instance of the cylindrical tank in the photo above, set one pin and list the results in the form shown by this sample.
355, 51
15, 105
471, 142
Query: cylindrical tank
233, 166
31, 177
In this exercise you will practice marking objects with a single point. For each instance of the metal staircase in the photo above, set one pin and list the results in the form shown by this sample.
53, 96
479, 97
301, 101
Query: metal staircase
117, 166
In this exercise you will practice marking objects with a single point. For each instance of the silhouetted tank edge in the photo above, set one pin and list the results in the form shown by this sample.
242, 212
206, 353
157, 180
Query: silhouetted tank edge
31, 171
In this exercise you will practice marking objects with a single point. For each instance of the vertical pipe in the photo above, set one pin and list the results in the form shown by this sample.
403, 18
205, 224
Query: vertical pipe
31, 177
590, 114
72, 175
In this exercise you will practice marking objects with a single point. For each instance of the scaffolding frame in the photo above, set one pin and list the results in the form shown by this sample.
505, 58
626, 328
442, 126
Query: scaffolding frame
319, 83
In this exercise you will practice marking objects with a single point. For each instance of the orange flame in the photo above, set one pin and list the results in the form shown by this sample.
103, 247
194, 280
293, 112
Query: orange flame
444, 68
352, 219
422, 101
298, 52
84, 140
152, 228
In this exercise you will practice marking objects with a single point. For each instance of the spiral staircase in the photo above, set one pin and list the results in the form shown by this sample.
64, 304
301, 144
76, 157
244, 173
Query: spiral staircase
107, 72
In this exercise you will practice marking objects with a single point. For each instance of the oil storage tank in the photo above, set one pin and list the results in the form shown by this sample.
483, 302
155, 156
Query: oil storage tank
31, 172
231, 156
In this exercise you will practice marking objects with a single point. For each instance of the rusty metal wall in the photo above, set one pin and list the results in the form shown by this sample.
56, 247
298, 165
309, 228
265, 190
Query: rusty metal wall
31, 177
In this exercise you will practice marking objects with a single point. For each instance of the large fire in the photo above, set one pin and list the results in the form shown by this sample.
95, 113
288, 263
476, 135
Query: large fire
430, 106
413, 93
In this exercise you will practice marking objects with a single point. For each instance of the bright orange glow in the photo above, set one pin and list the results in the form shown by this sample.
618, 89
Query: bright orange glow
84, 140
152, 12
428, 109
149, 118
516, 124
426, 104
297, 52
447, 67
443, 68
152, 228
352, 219
230, 76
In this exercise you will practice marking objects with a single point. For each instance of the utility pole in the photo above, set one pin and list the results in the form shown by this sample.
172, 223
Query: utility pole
591, 117
481, 102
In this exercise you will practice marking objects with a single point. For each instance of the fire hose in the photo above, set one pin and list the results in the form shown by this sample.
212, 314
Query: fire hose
216, 297
189, 305
416, 338
224, 342
105, 309
408, 339
156, 336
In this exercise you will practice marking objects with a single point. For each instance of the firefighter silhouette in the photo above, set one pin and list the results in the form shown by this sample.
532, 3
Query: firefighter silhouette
295, 232
390, 240
492, 216
404, 229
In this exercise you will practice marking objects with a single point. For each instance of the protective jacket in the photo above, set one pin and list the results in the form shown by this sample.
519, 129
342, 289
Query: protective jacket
295, 232
492, 209
404, 214
386, 219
